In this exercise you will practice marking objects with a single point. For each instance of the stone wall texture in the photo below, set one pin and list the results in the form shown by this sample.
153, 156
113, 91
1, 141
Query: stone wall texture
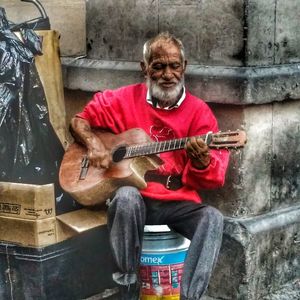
215, 32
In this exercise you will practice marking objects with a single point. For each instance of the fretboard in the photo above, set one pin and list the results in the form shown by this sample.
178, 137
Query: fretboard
156, 147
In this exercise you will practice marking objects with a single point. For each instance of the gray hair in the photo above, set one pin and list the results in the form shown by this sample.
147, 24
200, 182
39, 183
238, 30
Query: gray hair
165, 36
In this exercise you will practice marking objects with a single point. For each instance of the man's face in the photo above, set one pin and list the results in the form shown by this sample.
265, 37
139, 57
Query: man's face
165, 72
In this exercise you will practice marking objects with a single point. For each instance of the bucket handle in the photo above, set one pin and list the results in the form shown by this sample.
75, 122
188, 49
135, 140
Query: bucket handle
39, 6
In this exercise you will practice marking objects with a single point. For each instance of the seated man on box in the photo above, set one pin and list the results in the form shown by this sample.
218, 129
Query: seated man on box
165, 110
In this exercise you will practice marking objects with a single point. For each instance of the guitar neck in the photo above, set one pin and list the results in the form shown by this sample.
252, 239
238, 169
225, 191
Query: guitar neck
220, 140
159, 147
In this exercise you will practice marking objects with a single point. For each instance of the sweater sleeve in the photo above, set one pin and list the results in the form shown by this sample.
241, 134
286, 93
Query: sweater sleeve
214, 175
211, 177
103, 111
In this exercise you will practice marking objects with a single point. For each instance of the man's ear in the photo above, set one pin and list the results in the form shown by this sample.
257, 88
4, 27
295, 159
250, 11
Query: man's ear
184, 65
143, 67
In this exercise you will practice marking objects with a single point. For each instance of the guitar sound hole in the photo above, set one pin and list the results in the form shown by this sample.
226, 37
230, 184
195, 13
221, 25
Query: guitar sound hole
119, 154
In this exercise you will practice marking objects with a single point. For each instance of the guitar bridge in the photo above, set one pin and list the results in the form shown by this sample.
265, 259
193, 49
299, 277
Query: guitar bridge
84, 167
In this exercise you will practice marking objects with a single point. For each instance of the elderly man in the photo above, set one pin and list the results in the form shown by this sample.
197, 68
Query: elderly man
164, 109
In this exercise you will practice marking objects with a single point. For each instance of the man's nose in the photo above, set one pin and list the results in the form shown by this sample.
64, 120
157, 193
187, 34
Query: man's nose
167, 74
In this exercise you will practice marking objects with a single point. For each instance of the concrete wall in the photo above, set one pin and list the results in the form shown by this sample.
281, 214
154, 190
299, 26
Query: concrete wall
264, 176
227, 33
273, 33
121, 36
239, 51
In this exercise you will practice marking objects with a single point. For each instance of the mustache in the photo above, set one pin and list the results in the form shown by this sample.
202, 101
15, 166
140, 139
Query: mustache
159, 81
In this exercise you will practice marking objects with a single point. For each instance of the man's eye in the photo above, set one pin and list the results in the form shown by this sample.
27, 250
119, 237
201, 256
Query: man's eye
175, 66
157, 67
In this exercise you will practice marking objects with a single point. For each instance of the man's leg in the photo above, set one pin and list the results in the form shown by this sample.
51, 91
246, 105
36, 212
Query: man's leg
126, 220
203, 225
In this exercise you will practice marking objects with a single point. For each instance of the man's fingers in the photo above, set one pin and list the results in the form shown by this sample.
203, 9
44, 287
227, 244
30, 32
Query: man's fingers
196, 146
105, 163
99, 164
99, 160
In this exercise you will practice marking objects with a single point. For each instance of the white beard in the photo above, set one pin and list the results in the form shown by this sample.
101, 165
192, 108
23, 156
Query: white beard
170, 96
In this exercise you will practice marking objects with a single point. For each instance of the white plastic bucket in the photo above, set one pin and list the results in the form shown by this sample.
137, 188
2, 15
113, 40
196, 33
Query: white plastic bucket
162, 262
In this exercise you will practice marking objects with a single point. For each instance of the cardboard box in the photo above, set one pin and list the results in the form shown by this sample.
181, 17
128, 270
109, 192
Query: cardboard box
27, 201
28, 232
27, 216
45, 232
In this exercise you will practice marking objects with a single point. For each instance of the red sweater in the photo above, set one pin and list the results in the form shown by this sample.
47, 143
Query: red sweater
127, 108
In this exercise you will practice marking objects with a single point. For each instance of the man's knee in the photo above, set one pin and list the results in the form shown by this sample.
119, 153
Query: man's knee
127, 192
129, 195
214, 215
127, 198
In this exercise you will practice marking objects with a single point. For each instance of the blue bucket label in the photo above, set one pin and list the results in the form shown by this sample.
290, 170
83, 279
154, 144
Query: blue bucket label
166, 258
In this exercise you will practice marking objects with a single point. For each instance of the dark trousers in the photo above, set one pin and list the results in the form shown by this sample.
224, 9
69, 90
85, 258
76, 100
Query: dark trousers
128, 212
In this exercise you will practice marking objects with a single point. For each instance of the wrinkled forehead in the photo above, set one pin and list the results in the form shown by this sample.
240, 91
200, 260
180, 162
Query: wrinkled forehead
163, 48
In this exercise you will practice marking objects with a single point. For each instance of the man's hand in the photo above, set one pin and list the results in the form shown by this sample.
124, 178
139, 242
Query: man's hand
97, 155
198, 152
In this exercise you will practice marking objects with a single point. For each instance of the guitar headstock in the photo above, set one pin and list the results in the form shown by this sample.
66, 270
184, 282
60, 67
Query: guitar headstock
228, 139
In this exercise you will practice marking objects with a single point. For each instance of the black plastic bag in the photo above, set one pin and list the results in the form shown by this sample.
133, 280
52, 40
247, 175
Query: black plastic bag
30, 150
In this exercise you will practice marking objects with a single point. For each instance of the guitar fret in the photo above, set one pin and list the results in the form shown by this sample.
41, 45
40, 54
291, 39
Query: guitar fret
166, 145
146, 149
156, 146
169, 145
152, 148
159, 146
138, 149
133, 150
182, 142
175, 142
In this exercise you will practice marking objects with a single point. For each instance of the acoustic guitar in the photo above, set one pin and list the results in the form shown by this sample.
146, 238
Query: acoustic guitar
133, 154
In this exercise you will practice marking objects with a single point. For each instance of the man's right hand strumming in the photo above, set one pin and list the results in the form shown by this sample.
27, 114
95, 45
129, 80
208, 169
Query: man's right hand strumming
97, 154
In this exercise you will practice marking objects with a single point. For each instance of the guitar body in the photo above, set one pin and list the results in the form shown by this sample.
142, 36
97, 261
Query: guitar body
99, 184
